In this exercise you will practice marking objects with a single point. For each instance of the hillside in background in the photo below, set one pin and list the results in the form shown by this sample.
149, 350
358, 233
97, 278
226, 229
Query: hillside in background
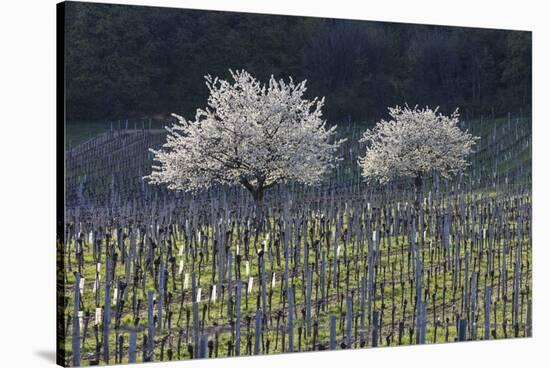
135, 62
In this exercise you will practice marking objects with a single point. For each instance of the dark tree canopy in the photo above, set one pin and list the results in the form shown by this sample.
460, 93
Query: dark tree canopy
134, 62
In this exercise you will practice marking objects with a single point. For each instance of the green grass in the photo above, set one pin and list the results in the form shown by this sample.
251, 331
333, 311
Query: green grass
217, 312
77, 132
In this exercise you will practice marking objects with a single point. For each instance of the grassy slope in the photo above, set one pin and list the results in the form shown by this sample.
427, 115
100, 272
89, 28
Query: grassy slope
82, 132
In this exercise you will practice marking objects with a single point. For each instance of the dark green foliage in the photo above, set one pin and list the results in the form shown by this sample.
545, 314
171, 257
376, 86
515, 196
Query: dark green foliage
136, 62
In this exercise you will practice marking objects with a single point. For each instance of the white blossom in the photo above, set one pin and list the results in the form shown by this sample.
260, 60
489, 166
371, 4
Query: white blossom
415, 142
251, 134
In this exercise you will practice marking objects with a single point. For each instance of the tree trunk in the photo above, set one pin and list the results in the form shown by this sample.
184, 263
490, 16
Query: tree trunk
257, 193
418, 195
259, 217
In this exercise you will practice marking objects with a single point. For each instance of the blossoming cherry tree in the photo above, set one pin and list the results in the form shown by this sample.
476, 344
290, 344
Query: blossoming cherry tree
250, 134
415, 143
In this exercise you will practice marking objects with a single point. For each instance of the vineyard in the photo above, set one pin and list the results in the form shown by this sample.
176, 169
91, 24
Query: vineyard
149, 274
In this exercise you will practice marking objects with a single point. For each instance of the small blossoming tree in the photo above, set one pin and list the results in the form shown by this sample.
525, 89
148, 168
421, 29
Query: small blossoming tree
414, 143
250, 134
